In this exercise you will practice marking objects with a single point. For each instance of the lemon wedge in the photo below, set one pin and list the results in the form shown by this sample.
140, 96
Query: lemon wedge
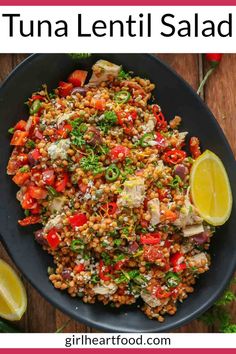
13, 300
210, 189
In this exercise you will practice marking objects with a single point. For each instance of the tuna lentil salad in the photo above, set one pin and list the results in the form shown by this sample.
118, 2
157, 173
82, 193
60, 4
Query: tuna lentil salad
107, 176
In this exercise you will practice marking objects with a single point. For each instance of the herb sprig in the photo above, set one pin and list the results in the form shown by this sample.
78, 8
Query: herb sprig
219, 314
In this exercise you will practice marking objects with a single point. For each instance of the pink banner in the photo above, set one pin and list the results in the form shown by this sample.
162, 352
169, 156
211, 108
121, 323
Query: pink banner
117, 2
118, 351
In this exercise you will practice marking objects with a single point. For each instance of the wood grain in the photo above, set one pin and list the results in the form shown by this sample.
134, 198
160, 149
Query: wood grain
219, 95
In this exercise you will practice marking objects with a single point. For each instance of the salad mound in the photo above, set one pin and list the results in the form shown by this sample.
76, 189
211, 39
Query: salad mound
107, 177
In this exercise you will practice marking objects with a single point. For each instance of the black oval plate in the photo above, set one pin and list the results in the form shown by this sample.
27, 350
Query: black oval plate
175, 97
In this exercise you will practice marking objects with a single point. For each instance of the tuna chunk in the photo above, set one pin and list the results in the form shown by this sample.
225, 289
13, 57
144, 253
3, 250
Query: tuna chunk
154, 209
133, 193
103, 71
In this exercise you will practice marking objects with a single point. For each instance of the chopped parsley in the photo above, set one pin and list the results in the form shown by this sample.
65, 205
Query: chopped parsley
108, 121
91, 163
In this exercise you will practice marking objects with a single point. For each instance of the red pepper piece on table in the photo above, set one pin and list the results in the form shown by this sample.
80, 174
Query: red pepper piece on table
53, 238
214, 59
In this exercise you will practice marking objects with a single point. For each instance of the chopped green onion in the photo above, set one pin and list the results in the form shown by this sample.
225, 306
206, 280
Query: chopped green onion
24, 169
30, 144
77, 246
35, 107
144, 141
11, 130
52, 191
122, 97
27, 212
112, 173
172, 279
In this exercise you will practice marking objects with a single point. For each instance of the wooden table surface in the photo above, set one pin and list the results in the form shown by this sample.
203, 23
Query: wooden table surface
219, 94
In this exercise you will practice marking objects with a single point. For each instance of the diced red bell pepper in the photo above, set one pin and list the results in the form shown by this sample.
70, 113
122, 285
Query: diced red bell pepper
48, 176
119, 264
37, 97
19, 138
37, 192
104, 271
20, 125
53, 238
162, 294
167, 243
176, 258
38, 134
21, 177
82, 186
28, 202
179, 267
36, 210
177, 261
77, 78
30, 220
110, 207
152, 253
99, 104
22, 159
79, 268
162, 193
34, 154
125, 121
119, 153
78, 220
61, 183
144, 223
150, 238
65, 88
65, 130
